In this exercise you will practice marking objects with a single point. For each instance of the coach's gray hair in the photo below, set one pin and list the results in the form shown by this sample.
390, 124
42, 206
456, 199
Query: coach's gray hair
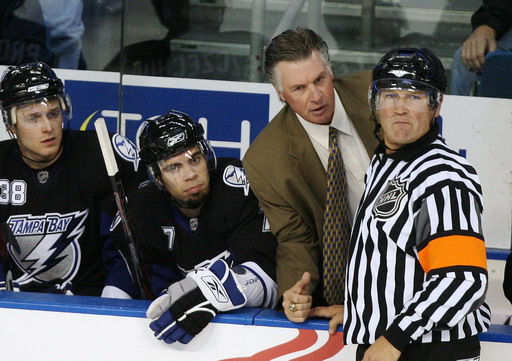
293, 45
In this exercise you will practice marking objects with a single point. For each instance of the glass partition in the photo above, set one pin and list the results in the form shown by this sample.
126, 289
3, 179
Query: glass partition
221, 39
225, 39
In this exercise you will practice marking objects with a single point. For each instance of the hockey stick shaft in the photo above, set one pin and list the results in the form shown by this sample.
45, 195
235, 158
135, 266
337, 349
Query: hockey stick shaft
113, 173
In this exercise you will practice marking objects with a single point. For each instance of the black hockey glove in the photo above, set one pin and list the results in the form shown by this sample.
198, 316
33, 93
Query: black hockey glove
190, 304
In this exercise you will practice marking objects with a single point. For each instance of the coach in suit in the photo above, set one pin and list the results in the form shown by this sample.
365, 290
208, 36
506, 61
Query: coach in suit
286, 164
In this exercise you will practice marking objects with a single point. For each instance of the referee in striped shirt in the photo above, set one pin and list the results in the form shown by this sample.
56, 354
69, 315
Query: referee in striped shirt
417, 272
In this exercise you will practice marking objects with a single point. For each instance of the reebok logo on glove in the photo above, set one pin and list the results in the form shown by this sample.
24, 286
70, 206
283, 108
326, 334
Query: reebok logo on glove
215, 288
190, 304
219, 285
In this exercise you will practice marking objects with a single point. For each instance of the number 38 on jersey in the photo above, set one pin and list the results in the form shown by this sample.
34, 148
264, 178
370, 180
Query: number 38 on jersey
14, 192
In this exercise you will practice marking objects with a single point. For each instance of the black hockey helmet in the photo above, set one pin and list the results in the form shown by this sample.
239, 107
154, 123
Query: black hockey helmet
409, 68
171, 134
27, 83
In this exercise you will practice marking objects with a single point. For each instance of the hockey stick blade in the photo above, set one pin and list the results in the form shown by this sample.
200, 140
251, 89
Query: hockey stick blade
134, 262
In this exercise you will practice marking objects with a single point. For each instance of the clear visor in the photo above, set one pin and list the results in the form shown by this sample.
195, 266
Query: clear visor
39, 113
406, 94
183, 166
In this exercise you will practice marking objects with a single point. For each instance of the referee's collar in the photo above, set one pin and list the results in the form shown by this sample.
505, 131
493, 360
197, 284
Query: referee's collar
410, 151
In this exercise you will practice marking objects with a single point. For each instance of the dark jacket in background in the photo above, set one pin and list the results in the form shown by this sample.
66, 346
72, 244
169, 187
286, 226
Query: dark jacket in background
495, 13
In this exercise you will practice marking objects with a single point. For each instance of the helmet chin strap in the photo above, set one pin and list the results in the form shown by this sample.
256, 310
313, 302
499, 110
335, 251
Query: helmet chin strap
43, 161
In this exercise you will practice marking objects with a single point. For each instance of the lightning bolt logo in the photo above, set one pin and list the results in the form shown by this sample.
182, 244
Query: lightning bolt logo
49, 248
43, 257
236, 177
126, 150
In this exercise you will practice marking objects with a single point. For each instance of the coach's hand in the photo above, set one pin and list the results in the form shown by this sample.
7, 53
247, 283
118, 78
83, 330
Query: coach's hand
296, 301
191, 303
334, 312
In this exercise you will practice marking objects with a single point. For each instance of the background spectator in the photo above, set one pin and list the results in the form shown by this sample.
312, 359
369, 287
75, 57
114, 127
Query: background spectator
491, 31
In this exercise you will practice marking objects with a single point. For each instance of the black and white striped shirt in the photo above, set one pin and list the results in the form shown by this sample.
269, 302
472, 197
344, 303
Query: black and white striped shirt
417, 270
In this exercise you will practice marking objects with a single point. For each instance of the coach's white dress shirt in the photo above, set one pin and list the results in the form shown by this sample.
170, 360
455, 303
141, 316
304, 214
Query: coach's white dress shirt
354, 153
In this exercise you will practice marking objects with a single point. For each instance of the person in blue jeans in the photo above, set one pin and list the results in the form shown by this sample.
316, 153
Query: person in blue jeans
64, 20
492, 24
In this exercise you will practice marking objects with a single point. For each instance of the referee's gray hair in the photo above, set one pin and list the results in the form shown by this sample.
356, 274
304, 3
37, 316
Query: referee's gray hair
293, 46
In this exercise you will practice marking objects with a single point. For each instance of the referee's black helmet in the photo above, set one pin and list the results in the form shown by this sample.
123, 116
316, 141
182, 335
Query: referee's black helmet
409, 68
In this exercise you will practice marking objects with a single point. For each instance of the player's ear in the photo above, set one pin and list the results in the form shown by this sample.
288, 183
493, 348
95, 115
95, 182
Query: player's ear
11, 128
438, 109
159, 183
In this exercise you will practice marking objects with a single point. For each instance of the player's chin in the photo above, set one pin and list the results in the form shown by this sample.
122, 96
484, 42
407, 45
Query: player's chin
45, 156
50, 151
194, 201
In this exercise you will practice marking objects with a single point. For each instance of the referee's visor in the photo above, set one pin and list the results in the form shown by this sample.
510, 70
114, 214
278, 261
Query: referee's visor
403, 93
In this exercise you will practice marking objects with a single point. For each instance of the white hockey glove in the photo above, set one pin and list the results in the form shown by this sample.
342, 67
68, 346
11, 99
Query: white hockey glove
193, 302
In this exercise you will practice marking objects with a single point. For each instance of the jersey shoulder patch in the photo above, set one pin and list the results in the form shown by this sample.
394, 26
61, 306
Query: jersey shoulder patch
235, 176
126, 149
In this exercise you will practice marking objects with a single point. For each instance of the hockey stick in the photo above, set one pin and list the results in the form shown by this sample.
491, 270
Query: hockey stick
134, 263
6, 237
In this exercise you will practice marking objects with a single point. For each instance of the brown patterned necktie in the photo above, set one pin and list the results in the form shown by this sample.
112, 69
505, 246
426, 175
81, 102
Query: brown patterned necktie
336, 225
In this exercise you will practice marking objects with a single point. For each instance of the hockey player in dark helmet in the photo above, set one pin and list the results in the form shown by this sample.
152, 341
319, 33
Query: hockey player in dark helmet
51, 176
34, 106
174, 149
406, 81
197, 220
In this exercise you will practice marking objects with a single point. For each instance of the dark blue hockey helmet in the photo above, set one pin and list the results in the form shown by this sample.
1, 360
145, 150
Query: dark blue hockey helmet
169, 135
411, 69
27, 83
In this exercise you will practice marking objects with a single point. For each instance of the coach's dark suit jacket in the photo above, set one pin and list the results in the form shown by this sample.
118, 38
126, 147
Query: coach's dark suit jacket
287, 176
